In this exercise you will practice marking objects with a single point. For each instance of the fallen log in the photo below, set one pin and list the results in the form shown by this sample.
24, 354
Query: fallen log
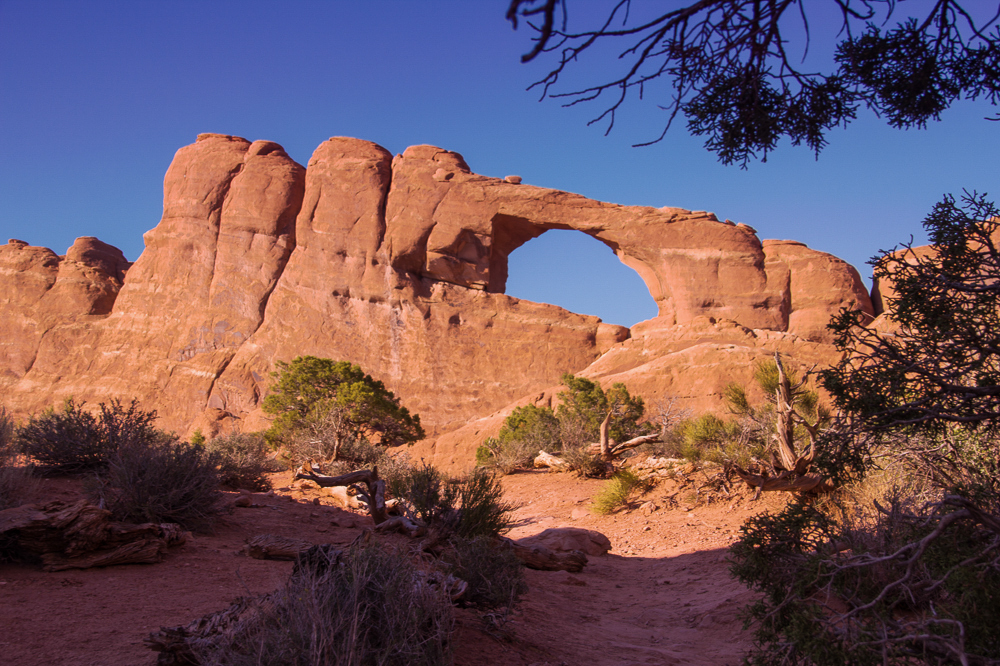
402, 524
544, 459
80, 536
274, 547
786, 481
614, 449
374, 497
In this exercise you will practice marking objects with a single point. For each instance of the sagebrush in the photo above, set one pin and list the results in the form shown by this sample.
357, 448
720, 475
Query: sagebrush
162, 482
495, 576
368, 608
72, 439
244, 461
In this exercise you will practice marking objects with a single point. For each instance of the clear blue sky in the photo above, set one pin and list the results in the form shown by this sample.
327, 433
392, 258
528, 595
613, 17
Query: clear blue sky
96, 96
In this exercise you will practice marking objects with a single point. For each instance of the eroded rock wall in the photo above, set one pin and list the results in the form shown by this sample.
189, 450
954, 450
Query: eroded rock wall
398, 264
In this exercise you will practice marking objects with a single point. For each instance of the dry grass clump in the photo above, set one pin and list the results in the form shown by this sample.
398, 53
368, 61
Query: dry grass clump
469, 507
365, 608
494, 574
245, 461
615, 493
507, 455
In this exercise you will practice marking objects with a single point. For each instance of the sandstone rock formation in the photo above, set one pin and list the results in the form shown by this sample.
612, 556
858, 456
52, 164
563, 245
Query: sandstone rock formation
398, 264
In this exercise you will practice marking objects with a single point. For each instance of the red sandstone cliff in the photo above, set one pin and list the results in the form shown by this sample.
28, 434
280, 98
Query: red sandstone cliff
398, 264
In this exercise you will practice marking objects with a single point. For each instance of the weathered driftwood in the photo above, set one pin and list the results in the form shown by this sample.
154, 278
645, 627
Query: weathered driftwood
542, 558
793, 469
787, 481
544, 459
402, 524
80, 535
611, 449
181, 645
607, 449
274, 547
374, 497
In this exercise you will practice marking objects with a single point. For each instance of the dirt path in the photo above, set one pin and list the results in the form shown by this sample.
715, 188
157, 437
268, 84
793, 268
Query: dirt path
663, 595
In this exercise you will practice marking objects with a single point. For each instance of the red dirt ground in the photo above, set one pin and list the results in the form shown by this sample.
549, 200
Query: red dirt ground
662, 596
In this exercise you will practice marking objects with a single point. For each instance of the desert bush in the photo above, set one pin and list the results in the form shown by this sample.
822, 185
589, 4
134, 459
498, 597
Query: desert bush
429, 495
162, 482
528, 430
73, 440
584, 405
615, 493
16, 478
705, 437
484, 512
494, 574
469, 507
367, 610
906, 569
507, 455
580, 460
244, 461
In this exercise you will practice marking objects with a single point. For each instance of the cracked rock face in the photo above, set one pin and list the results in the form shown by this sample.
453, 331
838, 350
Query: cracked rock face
398, 264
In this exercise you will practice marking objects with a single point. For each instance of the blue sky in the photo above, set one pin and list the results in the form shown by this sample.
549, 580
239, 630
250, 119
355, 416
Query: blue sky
96, 96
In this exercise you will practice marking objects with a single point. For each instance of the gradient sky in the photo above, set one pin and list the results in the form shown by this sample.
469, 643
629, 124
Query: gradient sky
96, 96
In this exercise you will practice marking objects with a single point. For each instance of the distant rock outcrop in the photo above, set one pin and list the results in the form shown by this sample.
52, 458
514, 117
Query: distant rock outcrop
398, 264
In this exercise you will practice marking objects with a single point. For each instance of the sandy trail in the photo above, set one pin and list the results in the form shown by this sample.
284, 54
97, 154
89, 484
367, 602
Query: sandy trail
662, 596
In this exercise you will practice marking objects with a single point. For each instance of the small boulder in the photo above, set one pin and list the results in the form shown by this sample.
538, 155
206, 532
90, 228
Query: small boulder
342, 498
566, 539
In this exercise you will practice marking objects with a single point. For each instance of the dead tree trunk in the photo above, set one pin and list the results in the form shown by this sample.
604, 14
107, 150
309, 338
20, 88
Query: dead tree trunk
80, 535
793, 476
605, 426
374, 497
612, 450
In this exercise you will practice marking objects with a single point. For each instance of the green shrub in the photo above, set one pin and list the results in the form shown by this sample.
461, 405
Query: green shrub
615, 493
484, 512
429, 494
468, 507
528, 430
244, 461
73, 440
321, 405
586, 464
163, 482
584, 405
16, 479
507, 455
494, 574
367, 610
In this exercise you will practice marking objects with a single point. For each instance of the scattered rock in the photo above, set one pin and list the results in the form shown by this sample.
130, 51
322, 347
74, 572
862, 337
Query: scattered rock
342, 498
514, 180
565, 539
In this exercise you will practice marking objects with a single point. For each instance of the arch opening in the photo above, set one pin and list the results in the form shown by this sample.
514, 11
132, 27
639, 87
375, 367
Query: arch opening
581, 274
